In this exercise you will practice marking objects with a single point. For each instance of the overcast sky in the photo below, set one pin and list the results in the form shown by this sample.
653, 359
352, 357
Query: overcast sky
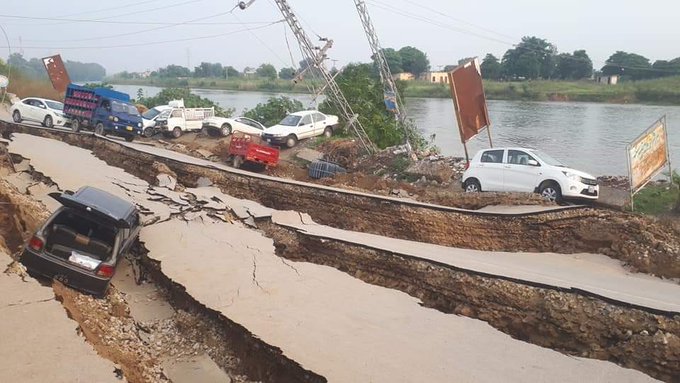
446, 30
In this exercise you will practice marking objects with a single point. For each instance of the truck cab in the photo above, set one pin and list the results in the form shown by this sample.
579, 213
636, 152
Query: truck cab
177, 120
104, 110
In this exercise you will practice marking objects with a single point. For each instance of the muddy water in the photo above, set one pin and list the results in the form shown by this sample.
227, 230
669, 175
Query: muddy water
587, 136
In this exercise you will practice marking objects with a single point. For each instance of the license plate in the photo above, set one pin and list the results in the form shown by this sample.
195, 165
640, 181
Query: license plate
129, 128
591, 189
83, 261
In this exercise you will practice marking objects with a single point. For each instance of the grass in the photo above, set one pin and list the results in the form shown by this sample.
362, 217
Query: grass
659, 199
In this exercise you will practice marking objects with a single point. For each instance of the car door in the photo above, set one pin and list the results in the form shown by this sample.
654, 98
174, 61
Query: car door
522, 171
306, 127
319, 123
28, 109
489, 170
40, 110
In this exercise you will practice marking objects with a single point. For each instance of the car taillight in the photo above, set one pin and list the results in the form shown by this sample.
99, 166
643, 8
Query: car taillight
106, 271
467, 165
36, 244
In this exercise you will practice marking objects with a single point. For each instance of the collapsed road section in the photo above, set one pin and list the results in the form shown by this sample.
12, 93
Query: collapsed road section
328, 323
642, 244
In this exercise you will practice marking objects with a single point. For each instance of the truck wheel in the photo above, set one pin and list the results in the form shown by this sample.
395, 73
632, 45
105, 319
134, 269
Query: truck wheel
75, 125
205, 131
16, 116
129, 138
99, 129
238, 161
148, 132
226, 130
177, 132
291, 141
48, 122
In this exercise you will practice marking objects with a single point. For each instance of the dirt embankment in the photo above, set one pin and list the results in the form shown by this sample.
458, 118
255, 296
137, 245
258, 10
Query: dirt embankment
641, 242
571, 323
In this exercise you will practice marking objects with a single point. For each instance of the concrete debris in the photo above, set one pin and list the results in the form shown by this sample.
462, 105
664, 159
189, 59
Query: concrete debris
309, 155
437, 171
203, 182
166, 181
401, 193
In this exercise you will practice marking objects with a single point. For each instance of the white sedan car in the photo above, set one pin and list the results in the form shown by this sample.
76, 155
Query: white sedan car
299, 125
47, 112
225, 126
527, 170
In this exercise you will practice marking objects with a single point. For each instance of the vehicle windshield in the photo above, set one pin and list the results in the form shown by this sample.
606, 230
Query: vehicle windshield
54, 105
120, 107
547, 159
290, 120
151, 113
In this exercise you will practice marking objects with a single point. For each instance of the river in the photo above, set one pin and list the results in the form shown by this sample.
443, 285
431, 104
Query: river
587, 136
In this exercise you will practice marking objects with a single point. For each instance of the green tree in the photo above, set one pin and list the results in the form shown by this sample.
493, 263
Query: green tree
173, 71
274, 110
266, 71
190, 100
208, 70
393, 60
630, 65
574, 66
414, 61
491, 67
663, 68
287, 73
231, 72
364, 92
532, 58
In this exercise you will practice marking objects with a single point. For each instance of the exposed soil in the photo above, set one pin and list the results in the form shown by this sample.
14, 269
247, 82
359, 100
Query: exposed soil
571, 323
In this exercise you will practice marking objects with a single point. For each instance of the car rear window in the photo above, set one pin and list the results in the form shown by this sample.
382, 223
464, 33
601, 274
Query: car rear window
493, 156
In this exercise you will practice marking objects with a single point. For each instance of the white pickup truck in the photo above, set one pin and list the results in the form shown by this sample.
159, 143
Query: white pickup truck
178, 119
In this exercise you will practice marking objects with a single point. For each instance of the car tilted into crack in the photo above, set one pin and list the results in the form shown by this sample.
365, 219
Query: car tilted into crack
527, 170
83, 241
47, 112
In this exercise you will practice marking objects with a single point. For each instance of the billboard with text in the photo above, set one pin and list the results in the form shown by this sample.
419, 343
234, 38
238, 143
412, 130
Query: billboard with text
648, 155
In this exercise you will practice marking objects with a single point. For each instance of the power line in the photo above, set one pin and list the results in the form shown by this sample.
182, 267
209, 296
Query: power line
123, 22
141, 31
154, 42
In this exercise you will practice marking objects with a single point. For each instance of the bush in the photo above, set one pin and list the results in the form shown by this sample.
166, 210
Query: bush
190, 101
274, 110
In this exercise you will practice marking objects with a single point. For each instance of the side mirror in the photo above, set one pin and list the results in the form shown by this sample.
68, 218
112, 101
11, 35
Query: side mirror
533, 163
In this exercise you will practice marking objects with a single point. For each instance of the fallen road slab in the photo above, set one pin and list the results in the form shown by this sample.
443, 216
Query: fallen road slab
39, 342
342, 328
592, 274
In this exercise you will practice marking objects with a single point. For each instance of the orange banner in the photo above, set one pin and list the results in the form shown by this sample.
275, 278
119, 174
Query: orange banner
469, 99
57, 72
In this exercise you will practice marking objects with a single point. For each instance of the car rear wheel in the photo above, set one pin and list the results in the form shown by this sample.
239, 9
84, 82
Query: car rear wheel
291, 141
225, 130
205, 131
472, 186
177, 132
238, 161
99, 129
16, 116
550, 191
328, 132
48, 122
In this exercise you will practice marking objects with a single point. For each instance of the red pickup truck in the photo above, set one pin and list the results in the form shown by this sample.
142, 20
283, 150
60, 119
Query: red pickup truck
244, 147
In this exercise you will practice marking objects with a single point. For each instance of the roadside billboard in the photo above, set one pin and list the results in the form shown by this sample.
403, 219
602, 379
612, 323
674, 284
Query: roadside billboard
469, 101
57, 72
648, 155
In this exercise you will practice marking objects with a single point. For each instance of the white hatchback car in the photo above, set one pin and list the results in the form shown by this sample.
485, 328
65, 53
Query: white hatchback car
299, 125
47, 112
527, 170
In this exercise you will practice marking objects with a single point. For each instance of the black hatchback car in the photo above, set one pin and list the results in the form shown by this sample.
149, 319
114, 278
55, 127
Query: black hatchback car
82, 242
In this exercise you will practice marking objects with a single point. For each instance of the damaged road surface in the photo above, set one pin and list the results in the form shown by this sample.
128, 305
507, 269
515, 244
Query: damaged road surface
315, 322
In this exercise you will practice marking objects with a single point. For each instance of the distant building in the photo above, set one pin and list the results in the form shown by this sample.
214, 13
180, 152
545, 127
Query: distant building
404, 76
609, 80
249, 72
437, 77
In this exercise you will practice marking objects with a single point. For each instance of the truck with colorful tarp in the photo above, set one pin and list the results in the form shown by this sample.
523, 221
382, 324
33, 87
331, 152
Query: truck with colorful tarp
106, 111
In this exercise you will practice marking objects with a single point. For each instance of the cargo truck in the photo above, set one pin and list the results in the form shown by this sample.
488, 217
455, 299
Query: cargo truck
103, 110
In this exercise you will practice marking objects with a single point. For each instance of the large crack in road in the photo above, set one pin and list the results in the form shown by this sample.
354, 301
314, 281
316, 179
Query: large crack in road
523, 322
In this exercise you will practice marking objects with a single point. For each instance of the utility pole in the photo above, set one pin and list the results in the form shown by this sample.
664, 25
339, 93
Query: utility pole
316, 57
389, 85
